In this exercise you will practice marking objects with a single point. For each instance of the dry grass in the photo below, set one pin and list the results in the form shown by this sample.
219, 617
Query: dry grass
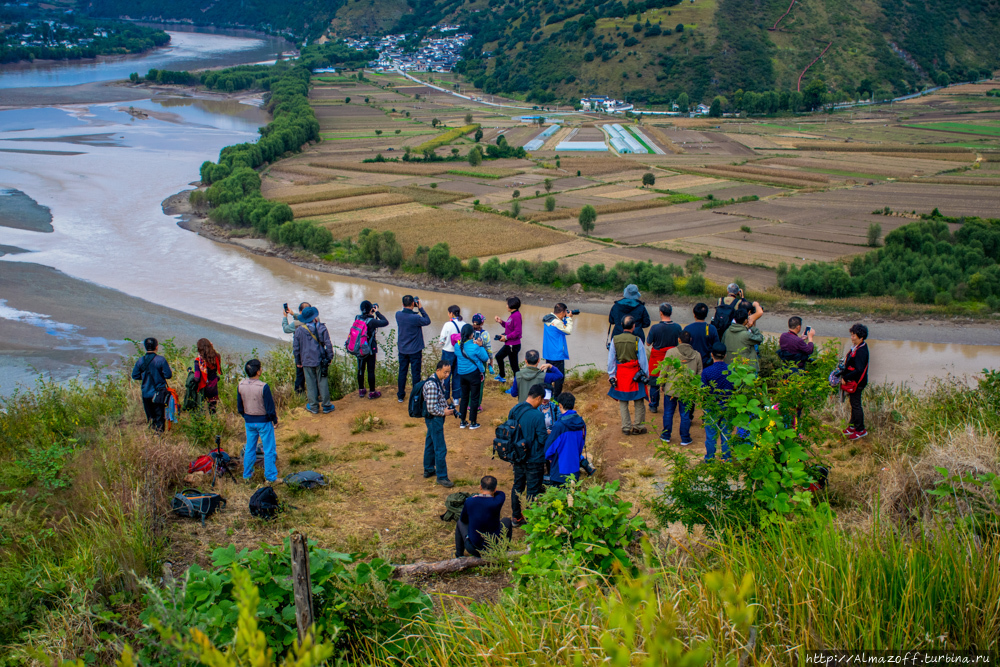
948, 157
776, 173
595, 166
484, 172
944, 180
876, 148
468, 235
428, 196
328, 194
349, 204
660, 136
404, 168
760, 178
617, 207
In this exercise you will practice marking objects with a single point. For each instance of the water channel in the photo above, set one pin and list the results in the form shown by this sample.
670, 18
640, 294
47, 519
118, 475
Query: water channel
97, 176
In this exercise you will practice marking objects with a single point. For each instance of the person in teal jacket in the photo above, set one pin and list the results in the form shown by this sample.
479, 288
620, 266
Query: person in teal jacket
472, 362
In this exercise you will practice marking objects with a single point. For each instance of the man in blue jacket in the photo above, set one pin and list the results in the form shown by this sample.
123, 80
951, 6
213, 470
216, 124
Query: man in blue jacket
409, 327
481, 518
154, 371
313, 351
564, 446
528, 475
556, 326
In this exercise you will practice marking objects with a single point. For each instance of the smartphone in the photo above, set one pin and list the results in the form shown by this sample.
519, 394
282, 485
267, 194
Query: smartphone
808, 329
285, 306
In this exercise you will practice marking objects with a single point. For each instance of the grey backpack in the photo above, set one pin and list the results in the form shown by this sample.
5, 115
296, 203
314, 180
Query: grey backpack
307, 479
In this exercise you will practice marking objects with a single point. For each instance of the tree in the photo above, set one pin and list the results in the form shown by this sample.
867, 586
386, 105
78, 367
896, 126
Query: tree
874, 235
515, 209
475, 157
715, 111
347, 100
695, 264
378, 133
588, 216
479, 136
548, 185
682, 102
435, 122
814, 94
550, 203
517, 193
648, 179
680, 27
398, 131
468, 119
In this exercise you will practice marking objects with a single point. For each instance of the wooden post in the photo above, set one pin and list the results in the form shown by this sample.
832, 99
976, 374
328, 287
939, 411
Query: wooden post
302, 585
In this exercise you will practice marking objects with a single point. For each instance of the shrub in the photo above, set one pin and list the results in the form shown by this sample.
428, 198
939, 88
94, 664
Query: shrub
588, 216
874, 235
515, 209
696, 264
475, 157
550, 203
695, 284
441, 264
648, 179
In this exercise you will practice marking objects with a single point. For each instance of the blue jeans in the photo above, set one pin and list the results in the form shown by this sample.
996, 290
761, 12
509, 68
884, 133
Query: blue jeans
265, 433
413, 361
670, 404
712, 428
435, 450
452, 388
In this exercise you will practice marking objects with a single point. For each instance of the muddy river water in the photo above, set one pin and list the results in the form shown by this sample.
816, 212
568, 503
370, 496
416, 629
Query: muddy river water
100, 174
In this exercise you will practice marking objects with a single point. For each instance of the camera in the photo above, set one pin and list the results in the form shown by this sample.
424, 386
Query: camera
574, 312
497, 337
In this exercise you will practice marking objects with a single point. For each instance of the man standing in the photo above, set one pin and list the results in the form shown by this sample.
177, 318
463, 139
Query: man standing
255, 404
154, 371
436, 409
481, 517
703, 335
533, 373
742, 337
691, 360
716, 378
557, 325
566, 442
451, 333
313, 351
792, 347
662, 337
289, 328
629, 304
531, 428
626, 357
409, 323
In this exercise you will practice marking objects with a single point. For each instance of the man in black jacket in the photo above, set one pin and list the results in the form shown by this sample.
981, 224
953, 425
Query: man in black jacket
629, 304
410, 346
154, 371
528, 475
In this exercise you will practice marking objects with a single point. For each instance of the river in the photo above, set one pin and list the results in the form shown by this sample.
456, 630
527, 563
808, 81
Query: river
97, 176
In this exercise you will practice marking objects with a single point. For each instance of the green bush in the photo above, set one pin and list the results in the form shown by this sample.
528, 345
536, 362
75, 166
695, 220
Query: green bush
441, 264
550, 203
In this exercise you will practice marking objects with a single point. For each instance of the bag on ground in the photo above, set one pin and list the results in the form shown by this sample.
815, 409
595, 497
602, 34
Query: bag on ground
205, 462
508, 445
417, 406
453, 506
264, 503
194, 504
307, 479
357, 339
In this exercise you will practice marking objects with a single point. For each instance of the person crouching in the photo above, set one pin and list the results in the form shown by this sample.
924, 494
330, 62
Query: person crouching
565, 444
481, 518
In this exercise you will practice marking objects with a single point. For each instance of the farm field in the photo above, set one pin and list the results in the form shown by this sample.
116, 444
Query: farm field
817, 179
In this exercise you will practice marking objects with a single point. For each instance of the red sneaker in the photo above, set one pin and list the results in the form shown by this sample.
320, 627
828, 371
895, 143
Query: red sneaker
848, 431
858, 434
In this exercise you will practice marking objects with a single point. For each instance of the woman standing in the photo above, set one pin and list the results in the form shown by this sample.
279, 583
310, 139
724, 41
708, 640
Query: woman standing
511, 339
373, 320
854, 380
207, 367
472, 360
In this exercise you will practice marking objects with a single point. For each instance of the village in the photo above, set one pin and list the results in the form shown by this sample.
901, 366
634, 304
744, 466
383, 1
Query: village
438, 54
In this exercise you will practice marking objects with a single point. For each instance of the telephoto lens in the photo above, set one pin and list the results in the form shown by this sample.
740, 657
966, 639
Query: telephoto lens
574, 312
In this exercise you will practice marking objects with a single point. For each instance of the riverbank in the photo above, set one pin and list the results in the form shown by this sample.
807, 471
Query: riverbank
919, 328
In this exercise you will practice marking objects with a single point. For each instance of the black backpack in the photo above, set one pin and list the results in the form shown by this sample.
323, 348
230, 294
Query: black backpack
194, 504
417, 407
724, 313
307, 479
264, 503
508, 444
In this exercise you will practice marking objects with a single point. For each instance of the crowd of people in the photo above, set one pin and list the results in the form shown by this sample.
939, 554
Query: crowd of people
552, 433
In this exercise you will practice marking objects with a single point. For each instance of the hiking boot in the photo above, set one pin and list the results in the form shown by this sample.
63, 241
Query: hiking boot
653, 409
518, 522
327, 409
428, 475
639, 430
446, 483
627, 431
858, 434
311, 409
473, 427
848, 431
362, 392
375, 394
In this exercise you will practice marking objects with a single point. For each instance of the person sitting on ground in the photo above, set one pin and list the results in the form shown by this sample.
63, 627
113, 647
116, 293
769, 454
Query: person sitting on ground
300, 378
511, 339
533, 373
481, 519
716, 378
792, 348
703, 335
373, 320
255, 404
207, 368
409, 325
154, 371
313, 350
629, 304
565, 444
528, 474
742, 338
472, 360
662, 337
626, 358
692, 363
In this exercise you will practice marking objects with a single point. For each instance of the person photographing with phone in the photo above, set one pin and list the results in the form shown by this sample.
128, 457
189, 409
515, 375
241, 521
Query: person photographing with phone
796, 348
289, 328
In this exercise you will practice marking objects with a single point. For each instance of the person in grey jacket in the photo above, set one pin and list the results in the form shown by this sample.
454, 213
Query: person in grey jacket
313, 351
289, 328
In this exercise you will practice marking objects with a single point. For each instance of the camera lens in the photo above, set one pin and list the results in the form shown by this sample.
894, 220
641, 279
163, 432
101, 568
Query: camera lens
574, 312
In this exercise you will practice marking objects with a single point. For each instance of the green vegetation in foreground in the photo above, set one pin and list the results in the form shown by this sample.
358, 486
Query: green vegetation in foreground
966, 128
922, 261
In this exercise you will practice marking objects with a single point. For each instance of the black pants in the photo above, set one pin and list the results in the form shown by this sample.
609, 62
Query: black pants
471, 396
366, 364
527, 480
462, 543
857, 412
300, 380
413, 362
508, 352
653, 393
558, 384
154, 414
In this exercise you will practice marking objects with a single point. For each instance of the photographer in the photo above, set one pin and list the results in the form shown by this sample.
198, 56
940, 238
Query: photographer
793, 348
629, 304
529, 474
481, 517
435, 449
627, 370
313, 351
153, 371
557, 325
742, 337
533, 373
300, 379
725, 310
409, 323
373, 320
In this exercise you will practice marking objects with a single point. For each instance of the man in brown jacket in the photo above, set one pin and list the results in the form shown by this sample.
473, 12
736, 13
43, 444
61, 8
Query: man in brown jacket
691, 360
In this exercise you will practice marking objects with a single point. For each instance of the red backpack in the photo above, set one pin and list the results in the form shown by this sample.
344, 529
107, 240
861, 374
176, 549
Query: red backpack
357, 340
206, 462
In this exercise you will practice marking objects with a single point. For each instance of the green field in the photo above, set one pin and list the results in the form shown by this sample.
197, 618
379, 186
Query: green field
967, 128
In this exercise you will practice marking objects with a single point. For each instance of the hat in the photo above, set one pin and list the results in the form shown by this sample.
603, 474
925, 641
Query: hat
308, 315
548, 394
632, 292
366, 307
478, 318
719, 349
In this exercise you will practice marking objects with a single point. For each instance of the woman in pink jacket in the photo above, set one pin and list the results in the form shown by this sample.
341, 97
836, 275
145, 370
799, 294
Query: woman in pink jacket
511, 339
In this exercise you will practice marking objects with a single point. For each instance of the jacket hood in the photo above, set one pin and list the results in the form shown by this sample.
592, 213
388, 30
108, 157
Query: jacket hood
629, 303
572, 421
548, 318
687, 352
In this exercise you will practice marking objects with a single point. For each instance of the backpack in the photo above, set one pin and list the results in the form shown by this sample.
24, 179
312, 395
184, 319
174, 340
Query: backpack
508, 444
264, 503
723, 317
306, 479
192, 397
206, 462
453, 506
357, 342
192, 503
417, 406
